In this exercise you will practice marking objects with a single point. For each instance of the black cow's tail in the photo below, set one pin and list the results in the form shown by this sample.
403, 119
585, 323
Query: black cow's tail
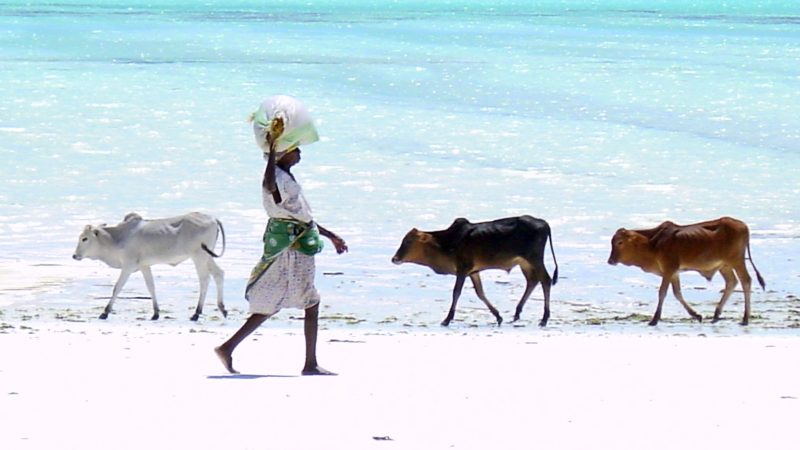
553, 252
208, 250
758, 274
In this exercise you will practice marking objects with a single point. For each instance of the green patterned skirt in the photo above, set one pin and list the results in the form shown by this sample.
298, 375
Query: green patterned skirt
280, 236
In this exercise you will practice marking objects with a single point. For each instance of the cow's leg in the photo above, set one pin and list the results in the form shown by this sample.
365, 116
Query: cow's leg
456, 294
676, 289
730, 284
219, 281
747, 282
547, 282
662, 293
151, 287
533, 277
476, 281
531, 284
202, 267
123, 278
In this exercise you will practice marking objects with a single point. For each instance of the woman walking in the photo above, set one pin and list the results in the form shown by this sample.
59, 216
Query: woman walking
284, 277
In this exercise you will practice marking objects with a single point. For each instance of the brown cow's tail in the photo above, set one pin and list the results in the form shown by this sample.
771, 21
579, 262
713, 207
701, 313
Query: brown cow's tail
758, 274
553, 252
222, 230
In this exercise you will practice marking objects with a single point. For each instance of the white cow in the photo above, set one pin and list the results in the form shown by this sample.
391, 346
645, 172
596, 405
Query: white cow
136, 244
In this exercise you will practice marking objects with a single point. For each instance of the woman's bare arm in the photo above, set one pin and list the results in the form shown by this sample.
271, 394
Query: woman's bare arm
269, 173
339, 243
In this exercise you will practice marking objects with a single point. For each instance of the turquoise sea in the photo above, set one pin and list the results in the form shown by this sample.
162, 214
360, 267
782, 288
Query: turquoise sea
592, 115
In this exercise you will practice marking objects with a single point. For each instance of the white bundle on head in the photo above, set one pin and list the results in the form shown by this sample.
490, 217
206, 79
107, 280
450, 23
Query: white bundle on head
298, 129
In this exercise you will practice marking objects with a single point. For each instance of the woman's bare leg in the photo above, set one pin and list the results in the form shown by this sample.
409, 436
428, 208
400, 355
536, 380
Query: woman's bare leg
310, 326
225, 351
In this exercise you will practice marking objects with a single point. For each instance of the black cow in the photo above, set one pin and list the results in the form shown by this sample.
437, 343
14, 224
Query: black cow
464, 249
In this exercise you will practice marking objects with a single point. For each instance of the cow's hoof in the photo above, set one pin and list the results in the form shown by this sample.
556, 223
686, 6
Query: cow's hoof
194, 317
499, 321
653, 323
104, 316
155, 317
224, 313
542, 323
744, 323
445, 323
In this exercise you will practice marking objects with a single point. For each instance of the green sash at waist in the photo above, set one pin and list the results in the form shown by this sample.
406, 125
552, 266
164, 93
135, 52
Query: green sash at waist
282, 235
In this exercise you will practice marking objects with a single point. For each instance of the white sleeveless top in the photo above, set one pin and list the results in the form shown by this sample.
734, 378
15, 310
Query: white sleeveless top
293, 204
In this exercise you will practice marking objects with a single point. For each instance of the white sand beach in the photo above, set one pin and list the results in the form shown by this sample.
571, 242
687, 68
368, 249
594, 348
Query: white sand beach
123, 385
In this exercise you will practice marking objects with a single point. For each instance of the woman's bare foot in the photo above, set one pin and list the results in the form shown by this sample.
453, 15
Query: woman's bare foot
226, 358
316, 370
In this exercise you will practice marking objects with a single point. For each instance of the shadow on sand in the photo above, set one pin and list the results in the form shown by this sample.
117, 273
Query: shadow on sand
244, 376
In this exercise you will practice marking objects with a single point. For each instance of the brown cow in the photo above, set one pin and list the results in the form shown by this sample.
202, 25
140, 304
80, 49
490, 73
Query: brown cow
464, 249
706, 247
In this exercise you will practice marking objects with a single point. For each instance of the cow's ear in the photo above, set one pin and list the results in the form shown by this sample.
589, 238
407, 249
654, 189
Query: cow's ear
414, 231
87, 228
428, 239
102, 233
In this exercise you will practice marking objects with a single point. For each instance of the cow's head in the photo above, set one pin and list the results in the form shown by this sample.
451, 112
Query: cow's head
626, 246
88, 243
412, 249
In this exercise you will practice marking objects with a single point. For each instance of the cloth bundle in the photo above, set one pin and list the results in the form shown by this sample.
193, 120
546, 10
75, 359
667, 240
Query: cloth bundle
298, 128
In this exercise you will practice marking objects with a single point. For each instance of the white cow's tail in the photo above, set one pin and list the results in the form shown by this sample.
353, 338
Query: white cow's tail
208, 250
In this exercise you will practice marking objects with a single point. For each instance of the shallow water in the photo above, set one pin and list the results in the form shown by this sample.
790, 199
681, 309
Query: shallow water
592, 116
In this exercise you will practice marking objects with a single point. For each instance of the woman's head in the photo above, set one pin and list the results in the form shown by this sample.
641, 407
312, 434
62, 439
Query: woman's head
289, 158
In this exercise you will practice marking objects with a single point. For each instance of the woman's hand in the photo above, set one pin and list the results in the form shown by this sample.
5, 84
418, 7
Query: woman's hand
339, 243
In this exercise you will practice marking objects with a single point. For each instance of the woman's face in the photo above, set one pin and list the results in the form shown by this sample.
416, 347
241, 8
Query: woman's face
291, 158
